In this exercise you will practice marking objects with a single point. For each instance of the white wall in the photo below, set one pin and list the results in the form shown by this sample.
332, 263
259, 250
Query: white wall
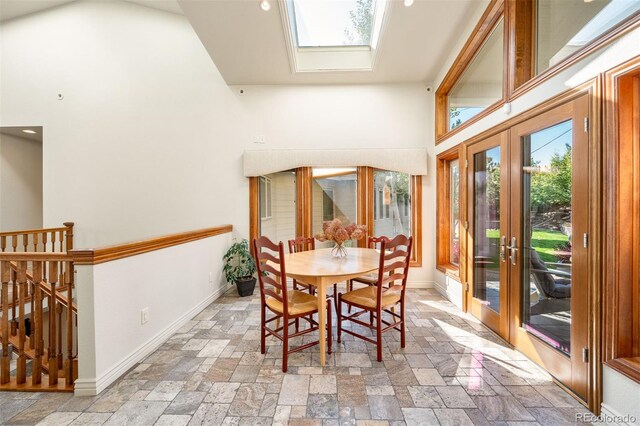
20, 183
350, 117
173, 283
146, 139
601, 60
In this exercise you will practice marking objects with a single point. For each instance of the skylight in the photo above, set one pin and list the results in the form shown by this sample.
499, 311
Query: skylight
329, 23
333, 35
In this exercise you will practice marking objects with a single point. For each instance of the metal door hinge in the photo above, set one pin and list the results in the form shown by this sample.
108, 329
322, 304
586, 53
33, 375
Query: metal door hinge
585, 355
466, 163
586, 124
585, 240
466, 224
466, 287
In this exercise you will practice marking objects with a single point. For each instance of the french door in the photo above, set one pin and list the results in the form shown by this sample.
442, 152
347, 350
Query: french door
528, 217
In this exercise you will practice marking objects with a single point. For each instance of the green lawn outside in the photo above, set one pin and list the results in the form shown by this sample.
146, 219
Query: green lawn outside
544, 241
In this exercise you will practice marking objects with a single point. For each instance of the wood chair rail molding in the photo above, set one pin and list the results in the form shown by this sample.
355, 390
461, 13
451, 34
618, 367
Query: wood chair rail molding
121, 251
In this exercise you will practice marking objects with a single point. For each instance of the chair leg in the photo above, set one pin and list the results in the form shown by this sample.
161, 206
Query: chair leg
285, 343
339, 316
349, 288
297, 324
335, 295
262, 331
329, 326
379, 333
402, 328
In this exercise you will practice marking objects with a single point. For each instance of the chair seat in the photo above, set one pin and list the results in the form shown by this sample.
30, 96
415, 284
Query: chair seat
370, 279
366, 297
300, 303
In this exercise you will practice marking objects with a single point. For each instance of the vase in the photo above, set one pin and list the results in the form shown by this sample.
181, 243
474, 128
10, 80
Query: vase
339, 251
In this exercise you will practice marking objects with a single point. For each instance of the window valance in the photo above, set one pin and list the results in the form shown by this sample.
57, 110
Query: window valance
407, 160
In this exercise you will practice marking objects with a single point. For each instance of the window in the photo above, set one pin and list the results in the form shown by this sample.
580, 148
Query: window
448, 211
564, 27
305, 197
265, 198
517, 45
334, 35
475, 84
277, 204
622, 198
334, 196
396, 190
481, 83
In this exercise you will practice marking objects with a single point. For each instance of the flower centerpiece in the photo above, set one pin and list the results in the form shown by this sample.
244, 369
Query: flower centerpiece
333, 230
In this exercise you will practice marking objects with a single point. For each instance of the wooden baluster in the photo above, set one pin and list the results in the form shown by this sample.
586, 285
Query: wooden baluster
61, 235
44, 243
69, 375
31, 287
53, 241
25, 242
14, 305
53, 363
36, 326
21, 367
69, 235
35, 242
5, 368
14, 242
3, 243
59, 356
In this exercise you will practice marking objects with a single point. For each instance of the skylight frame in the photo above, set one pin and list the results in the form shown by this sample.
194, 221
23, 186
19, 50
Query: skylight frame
340, 58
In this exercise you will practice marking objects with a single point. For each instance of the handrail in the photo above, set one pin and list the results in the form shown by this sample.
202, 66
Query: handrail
38, 240
32, 231
94, 256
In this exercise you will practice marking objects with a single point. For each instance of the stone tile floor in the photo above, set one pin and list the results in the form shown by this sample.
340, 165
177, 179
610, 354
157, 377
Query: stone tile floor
453, 371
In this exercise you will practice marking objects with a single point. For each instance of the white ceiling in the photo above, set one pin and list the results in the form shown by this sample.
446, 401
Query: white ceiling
10, 9
248, 45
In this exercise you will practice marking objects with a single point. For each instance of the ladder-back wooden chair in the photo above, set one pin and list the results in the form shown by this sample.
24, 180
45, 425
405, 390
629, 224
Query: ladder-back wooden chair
371, 278
301, 244
286, 305
395, 256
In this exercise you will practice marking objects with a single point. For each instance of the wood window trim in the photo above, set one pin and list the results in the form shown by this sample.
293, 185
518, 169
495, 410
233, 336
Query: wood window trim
622, 185
523, 47
365, 207
519, 61
492, 15
443, 211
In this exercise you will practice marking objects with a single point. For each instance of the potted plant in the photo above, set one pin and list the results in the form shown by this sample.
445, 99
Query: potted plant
239, 267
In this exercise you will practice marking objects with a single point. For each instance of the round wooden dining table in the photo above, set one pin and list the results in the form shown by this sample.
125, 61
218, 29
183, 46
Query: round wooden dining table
320, 269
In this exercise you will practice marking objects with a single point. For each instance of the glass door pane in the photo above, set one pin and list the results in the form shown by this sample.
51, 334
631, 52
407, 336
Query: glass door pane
392, 206
546, 233
486, 241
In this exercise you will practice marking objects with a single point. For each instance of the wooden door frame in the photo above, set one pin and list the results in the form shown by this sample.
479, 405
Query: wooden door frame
594, 88
497, 321
564, 368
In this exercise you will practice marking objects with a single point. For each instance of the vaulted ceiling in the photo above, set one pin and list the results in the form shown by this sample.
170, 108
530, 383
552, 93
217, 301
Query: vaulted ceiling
248, 45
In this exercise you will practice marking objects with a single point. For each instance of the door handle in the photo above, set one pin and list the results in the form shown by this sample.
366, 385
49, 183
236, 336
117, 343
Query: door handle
513, 251
503, 248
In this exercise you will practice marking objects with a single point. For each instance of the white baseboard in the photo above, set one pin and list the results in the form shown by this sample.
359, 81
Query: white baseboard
610, 416
93, 386
420, 284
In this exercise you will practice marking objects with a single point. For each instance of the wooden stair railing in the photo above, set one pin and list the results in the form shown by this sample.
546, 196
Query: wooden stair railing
38, 240
35, 279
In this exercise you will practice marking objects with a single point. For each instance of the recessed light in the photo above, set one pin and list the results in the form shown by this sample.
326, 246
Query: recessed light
264, 5
408, 3
31, 132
